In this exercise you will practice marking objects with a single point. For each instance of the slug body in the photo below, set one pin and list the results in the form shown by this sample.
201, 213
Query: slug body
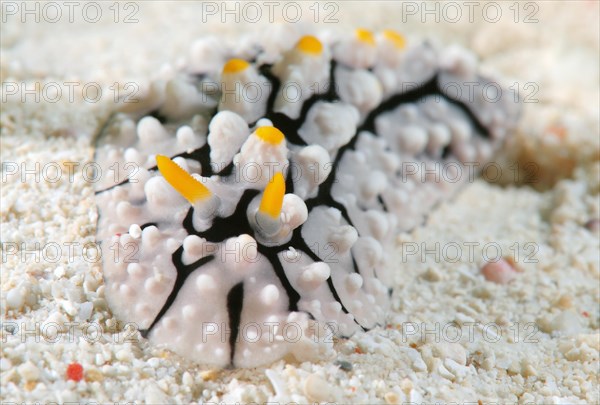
260, 212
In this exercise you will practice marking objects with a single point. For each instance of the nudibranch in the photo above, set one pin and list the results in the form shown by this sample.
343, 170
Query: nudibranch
259, 194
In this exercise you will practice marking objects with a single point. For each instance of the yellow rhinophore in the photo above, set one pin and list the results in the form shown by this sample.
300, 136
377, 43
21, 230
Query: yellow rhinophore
398, 40
235, 66
270, 135
310, 44
185, 184
365, 36
272, 198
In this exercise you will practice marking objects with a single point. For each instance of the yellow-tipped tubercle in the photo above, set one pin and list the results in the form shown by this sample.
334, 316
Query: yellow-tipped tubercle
272, 199
398, 40
270, 135
185, 184
235, 66
310, 44
365, 36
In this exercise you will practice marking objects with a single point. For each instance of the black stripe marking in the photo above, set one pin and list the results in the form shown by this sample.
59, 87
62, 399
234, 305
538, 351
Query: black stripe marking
183, 272
235, 301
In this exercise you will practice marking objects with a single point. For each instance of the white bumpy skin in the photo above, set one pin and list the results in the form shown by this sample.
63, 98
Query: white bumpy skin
255, 203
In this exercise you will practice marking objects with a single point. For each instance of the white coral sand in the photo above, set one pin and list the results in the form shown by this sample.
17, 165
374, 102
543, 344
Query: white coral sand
534, 339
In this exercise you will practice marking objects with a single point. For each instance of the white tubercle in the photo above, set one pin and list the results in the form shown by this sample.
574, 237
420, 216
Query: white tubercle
302, 71
357, 51
161, 196
342, 238
227, 132
137, 178
245, 249
373, 185
262, 155
314, 275
134, 156
269, 295
205, 283
150, 237
330, 125
461, 131
194, 248
312, 165
150, 130
368, 252
419, 63
294, 211
243, 90
413, 139
360, 88
135, 231
379, 224
354, 282
390, 48
186, 137
439, 137
264, 122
